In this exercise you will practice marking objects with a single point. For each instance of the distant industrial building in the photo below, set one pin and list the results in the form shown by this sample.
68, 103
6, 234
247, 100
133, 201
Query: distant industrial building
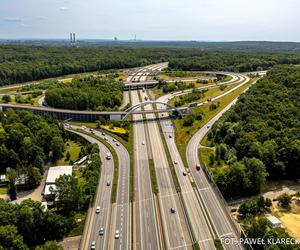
72, 39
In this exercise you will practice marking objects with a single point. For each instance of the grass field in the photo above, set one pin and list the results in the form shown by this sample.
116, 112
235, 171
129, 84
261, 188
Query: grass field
290, 217
73, 148
213, 92
184, 134
3, 190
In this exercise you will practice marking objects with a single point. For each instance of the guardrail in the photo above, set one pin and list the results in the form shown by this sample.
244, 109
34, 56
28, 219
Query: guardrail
238, 229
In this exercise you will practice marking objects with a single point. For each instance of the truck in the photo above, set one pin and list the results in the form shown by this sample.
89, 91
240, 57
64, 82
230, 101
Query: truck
198, 167
108, 156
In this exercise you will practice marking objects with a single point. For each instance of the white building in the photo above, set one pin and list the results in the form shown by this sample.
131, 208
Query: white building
53, 174
273, 221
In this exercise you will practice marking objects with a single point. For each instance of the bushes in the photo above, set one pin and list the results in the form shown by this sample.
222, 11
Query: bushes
253, 207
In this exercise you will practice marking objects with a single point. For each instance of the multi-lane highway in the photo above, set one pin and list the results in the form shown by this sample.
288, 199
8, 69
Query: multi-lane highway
168, 220
102, 199
146, 233
175, 225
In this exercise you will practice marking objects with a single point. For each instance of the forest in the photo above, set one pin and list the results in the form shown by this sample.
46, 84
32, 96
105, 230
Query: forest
259, 138
23, 63
27, 141
232, 61
89, 93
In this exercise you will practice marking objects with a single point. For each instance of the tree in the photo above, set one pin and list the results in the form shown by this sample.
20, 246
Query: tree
12, 189
34, 177
68, 194
6, 98
260, 202
284, 200
10, 239
188, 120
57, 148
68, 155
50, 245
268, 202
39, 163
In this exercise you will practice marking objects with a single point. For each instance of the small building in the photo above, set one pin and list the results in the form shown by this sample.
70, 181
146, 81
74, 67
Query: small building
273, 221
53, 174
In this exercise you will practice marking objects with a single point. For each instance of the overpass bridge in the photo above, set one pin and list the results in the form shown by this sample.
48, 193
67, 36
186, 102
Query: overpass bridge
89, 116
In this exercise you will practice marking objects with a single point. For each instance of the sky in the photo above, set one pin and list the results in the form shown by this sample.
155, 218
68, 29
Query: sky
201, 20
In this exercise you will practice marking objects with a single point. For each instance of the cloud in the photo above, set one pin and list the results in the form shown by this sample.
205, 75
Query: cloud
63, 8
13, 19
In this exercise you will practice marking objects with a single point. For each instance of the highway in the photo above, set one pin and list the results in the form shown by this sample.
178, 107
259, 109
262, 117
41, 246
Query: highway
145, 228
175, 226
103, 199
120, 213
216, 210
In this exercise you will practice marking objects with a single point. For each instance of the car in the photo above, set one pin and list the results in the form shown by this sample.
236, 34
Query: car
114, 140
108, 183
103, 133
184, 173
198, 167
83, 127
105, 138
172, 210
118, 144
207, 126
101, 231
97, 209
93, 245
162, 114
117, 234
143, 142
175, 162
170, 136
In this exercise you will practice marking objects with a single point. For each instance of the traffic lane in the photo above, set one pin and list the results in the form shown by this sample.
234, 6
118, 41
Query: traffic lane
144, 201
175, 225
146, 236
103, 196
202, 233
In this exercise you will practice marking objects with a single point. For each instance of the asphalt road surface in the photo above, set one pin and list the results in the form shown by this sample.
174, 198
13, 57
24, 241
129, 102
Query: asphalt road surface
146, 233
103, 199
175, 226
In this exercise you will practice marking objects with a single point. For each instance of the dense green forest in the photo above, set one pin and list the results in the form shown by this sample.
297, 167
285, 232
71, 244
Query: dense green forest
22, 63
232, 61
26, 142
89, 93
259, 137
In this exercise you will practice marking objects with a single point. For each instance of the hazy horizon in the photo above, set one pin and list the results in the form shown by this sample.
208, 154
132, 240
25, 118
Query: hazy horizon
176, 20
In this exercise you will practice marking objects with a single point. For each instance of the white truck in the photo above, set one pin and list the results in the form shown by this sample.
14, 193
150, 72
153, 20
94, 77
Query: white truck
108, 156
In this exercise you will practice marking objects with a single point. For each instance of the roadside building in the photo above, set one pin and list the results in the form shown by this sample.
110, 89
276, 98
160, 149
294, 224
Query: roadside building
273, 221
53, 174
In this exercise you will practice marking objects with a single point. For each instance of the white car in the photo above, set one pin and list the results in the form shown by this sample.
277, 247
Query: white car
105, 138
117, 234
143, 142
83, 127
97, 209
93, 245
114, 140
175, 161
101, 231
118, 144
